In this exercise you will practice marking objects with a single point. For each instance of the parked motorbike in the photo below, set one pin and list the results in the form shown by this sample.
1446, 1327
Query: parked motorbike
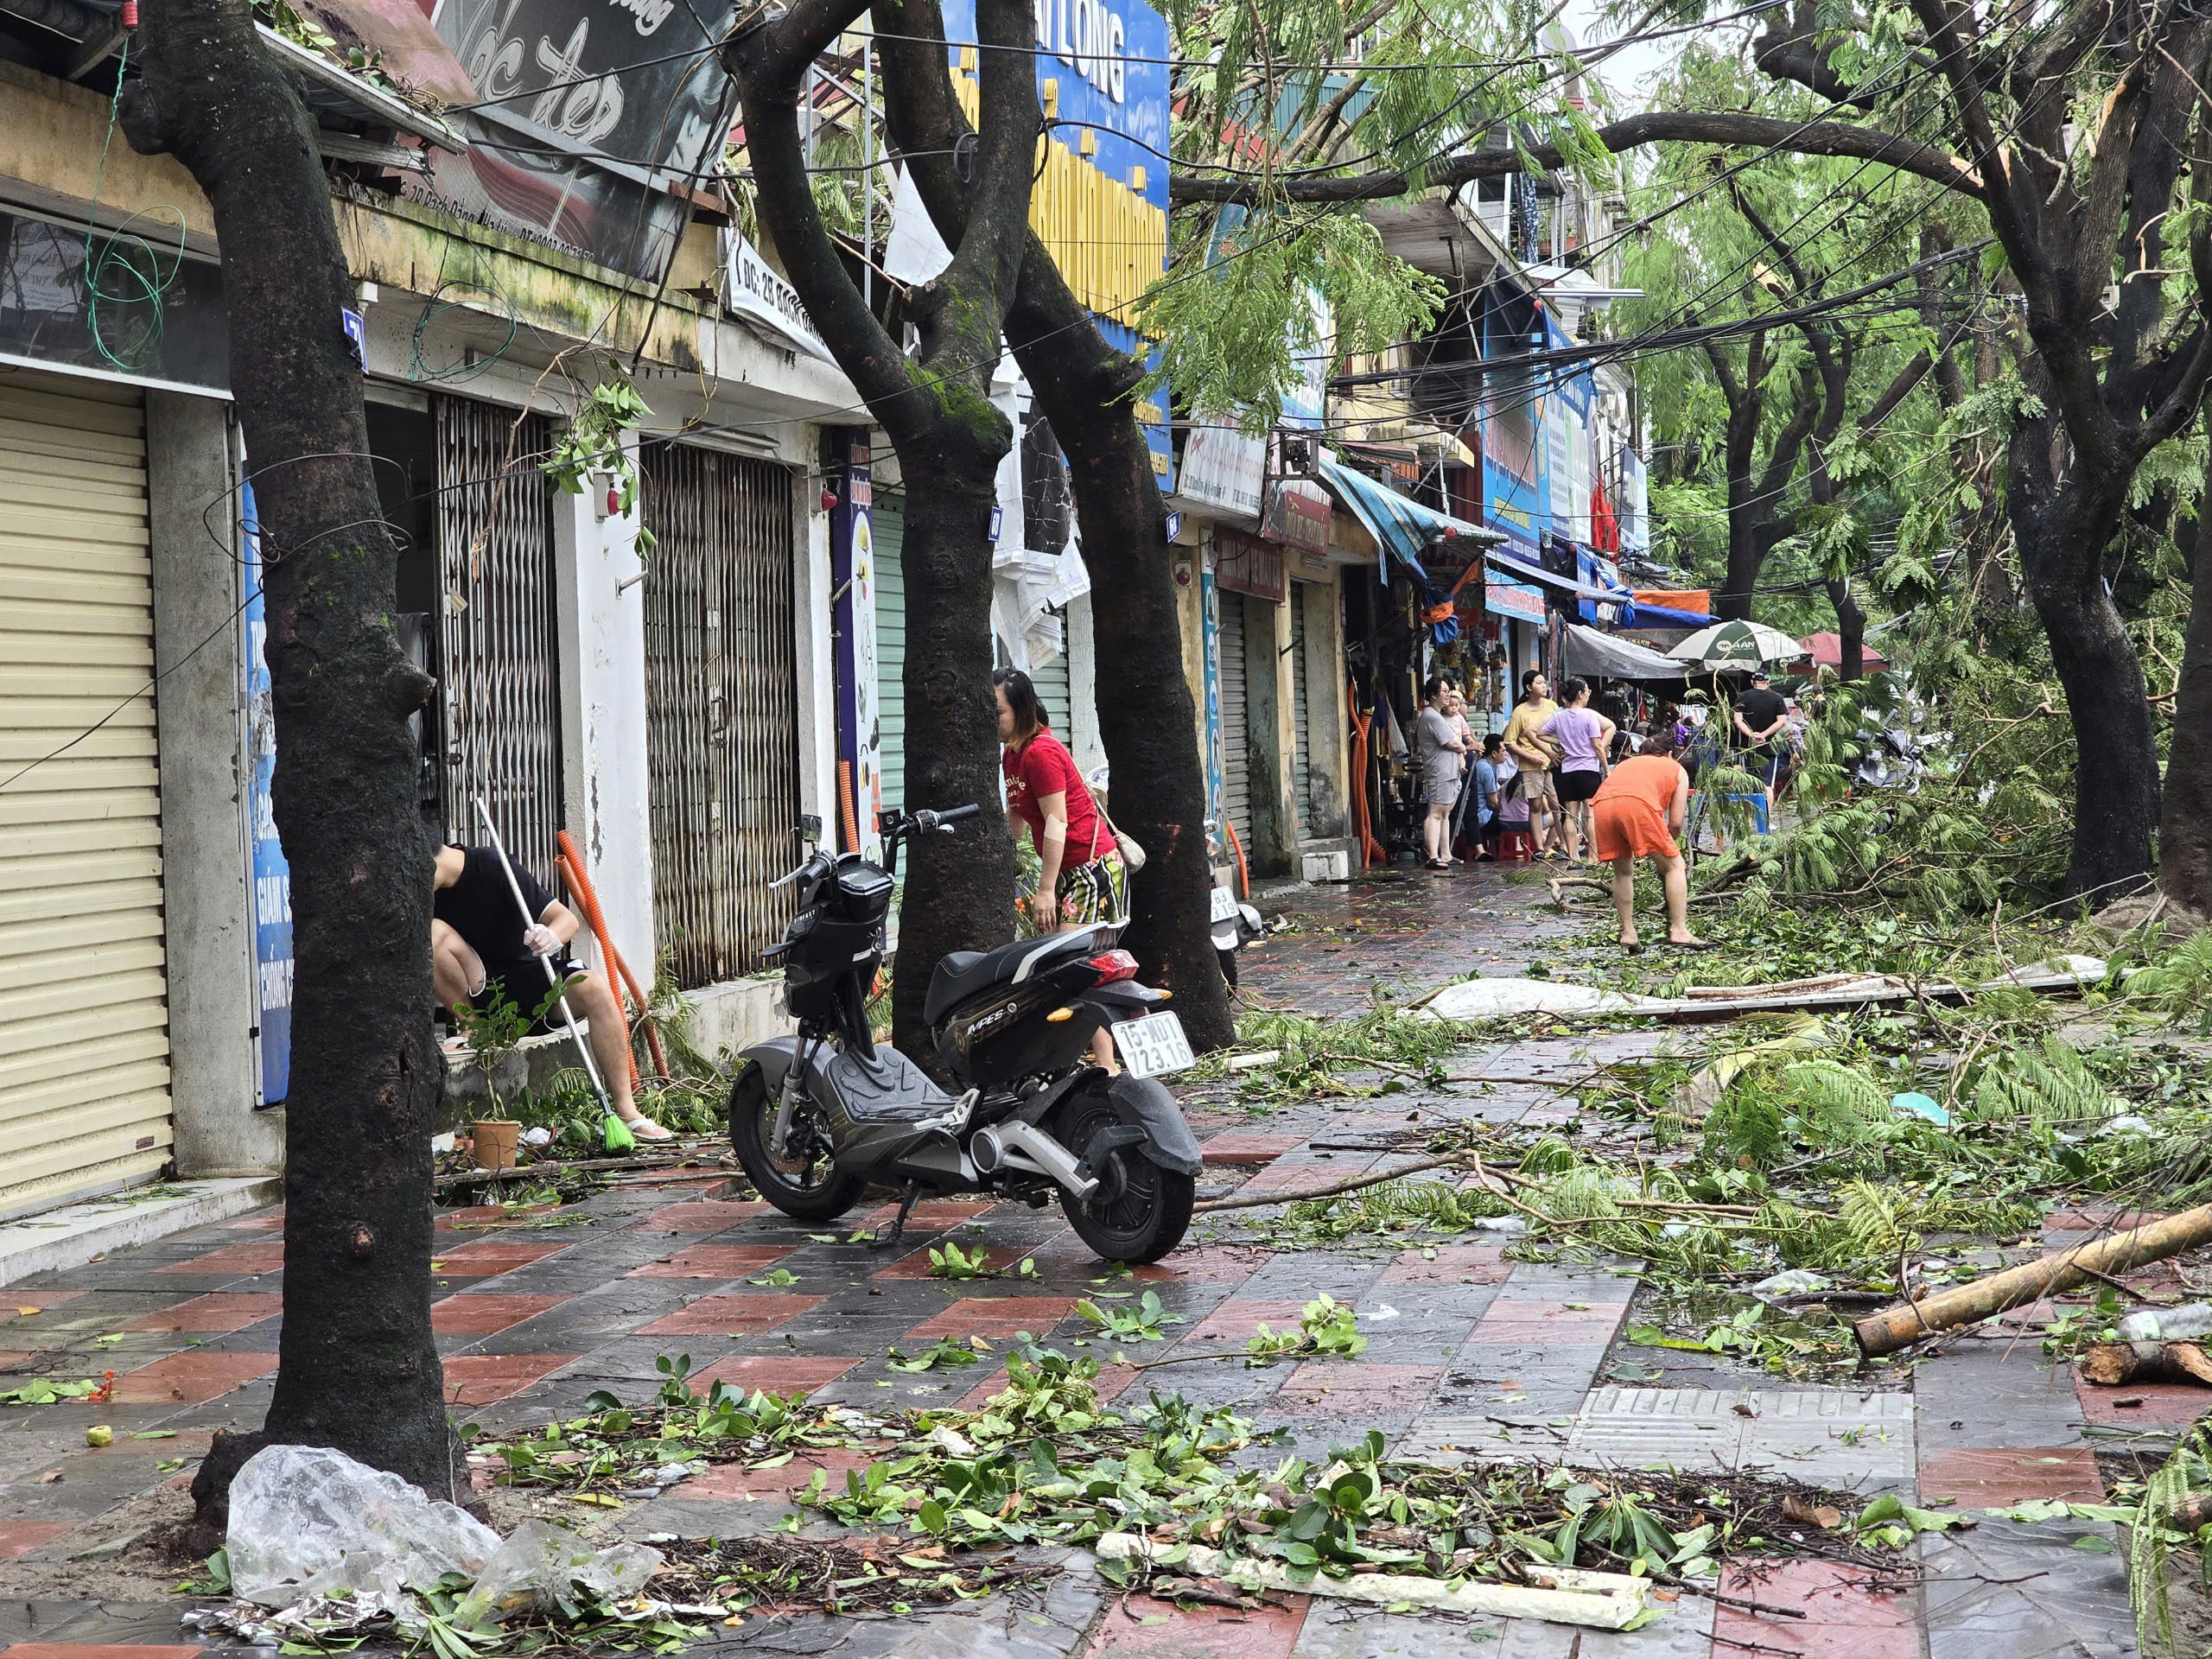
818, 1116
1891, 760
1236, 924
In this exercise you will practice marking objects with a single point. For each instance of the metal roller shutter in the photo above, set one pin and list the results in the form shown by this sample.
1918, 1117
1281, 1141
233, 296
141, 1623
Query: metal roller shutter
889, 527
84, 993
721, 706
1301, 593
1052, 682
498, 635
1235, 753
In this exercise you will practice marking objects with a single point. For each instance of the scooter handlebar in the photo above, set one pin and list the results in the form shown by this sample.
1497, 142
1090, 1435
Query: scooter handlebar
926, 820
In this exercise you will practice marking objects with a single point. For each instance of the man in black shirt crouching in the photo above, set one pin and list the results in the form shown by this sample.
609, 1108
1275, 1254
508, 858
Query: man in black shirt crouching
480, 948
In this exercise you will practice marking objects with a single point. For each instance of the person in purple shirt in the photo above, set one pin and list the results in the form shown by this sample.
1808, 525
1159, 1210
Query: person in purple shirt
1585, 738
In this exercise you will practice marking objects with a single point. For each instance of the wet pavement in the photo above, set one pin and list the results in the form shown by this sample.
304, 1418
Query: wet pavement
1471, 1353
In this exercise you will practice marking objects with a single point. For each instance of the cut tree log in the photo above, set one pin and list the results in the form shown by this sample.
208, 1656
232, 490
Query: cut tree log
2112, 1363
2192, 1512
1901, 1326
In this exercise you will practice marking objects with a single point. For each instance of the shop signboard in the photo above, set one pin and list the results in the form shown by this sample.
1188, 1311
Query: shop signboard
271, 875
1245, 565
852, 574
752, 288
1100, 203
588, 118
1519, 600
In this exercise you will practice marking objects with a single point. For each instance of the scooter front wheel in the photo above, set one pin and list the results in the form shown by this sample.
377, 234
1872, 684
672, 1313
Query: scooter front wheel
1140, 1212
807, 1185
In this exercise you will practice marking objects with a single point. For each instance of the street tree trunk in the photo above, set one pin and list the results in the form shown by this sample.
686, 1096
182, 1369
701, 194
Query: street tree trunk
1851, 632
2063, 524
1148, 721
950, 439
358, 1366
2185, 814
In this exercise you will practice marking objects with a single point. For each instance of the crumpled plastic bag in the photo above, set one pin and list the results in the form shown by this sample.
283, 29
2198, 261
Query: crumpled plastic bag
306, 1521
540, 1566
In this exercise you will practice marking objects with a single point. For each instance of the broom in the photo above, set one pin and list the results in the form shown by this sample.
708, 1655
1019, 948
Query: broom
615, 1133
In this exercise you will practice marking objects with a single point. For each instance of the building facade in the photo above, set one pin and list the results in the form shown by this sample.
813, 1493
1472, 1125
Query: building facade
671, 712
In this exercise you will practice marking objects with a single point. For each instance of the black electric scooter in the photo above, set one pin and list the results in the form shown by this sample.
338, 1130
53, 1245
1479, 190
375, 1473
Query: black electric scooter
818, 1117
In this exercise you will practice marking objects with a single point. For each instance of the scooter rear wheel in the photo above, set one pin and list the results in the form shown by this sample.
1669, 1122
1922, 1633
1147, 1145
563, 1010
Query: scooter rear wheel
808, 1188
1140, 1211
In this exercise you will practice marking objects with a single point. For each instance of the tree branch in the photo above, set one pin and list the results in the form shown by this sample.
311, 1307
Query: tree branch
987, 260
1791, 50
1658, 126
768, 61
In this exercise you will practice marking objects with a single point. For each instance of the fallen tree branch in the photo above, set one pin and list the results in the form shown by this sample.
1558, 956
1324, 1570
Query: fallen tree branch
1238, 1202
2192, 1512
2109, 1364
1902, 1326
535, 1172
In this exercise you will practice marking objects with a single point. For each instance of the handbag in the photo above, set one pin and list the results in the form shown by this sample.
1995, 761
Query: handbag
1132, 854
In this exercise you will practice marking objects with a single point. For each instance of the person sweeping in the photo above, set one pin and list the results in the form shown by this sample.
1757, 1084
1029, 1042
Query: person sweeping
1637, 812
481, 950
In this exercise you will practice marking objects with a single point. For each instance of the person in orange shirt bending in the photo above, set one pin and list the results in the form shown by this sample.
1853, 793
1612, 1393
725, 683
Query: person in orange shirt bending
1637, 812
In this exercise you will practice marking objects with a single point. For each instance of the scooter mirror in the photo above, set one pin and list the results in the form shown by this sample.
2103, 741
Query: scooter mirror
809, 828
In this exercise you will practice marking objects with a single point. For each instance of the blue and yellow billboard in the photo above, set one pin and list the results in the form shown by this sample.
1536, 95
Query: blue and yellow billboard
1100, 203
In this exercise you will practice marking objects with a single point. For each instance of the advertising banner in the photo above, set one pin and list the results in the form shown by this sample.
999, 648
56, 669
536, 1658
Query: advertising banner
1100, 203
852, 575
586, 114
271, 875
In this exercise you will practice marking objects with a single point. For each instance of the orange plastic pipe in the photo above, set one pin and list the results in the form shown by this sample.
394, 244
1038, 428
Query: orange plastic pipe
572, 871
845, 801
1370, 850
605, 948
1244, 871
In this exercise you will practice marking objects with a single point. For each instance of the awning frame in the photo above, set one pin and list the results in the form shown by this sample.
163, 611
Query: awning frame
1401, 525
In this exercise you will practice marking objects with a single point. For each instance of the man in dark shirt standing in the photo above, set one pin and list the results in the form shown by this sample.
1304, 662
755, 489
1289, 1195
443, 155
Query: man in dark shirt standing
480, 948
1761, 715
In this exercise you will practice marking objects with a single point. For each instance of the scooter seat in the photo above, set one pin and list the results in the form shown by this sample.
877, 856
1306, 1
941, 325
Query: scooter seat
887, 1089
964, 973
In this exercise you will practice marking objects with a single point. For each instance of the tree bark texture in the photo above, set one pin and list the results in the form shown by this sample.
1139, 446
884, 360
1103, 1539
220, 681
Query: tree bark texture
1148, 719
2062, 526
950, 439
2185, 813
357, 1366
1902, 1326
1850, 630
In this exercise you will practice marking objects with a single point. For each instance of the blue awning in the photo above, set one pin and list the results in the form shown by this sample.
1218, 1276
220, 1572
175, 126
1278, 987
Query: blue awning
1637, 614
1522, 570
1400, 524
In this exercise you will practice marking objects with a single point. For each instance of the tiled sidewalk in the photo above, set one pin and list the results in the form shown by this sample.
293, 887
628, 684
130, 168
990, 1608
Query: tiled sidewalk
1471, 1355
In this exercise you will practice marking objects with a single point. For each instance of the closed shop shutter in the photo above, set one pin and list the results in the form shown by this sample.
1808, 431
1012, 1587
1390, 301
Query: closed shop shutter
890, 536
84, 1011
721, 706
1052, 682
499, 661
1235, 755
1302, 594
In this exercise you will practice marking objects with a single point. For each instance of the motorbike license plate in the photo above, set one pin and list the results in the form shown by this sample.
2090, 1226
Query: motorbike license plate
1153, 1046
1224, 904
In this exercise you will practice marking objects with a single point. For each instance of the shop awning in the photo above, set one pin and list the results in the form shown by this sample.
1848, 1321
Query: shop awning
1641, 615
1520, 570
1589, 651
1401, 525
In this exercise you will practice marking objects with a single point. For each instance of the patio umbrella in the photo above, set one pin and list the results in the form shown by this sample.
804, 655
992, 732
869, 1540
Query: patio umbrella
1826, 649
1736, 644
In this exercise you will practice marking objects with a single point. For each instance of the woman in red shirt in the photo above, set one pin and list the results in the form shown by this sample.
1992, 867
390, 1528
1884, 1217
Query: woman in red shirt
1083, 881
